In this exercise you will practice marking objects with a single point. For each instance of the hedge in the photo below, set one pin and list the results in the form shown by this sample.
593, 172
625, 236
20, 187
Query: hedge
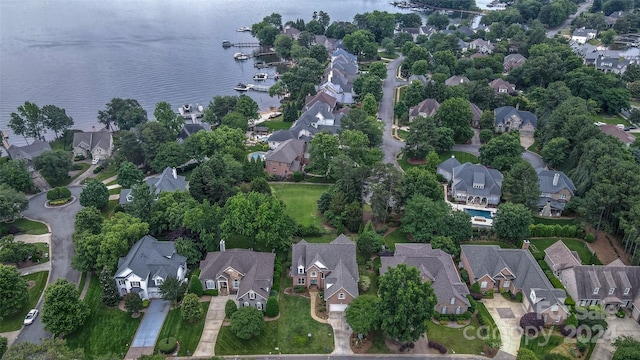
272, 309
210, 292
542, 230
195, 286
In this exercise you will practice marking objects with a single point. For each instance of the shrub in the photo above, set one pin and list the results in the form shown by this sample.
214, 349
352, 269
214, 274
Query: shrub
191, 309
229, 308
168, 345
300, 289
247, 322
211, 292
464, 275
472, 304
277, 272
76, 167
13, 229
307, 231
79, 157
435, 345
532, 322
273, 308
145, 303
297, 176
195, 286
132, 303
58, 193
476, 296
590, 238
97, 169
476, 287
365, 282
569, 301
518, 297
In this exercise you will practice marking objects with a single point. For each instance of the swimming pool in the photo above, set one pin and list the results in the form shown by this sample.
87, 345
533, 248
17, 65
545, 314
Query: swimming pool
482, 213
256, 155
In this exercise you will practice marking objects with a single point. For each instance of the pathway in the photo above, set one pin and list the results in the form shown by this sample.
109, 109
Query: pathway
78, 181
313, 295
145, 339
341, 334
212, 323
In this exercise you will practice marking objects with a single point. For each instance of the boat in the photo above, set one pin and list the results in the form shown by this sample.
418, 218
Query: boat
188, 111
226, 44
276, 76
260, 64
260, 76
240, 56
243, 28
242, 87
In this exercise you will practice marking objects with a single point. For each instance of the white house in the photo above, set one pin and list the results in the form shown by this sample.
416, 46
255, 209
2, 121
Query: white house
583, 35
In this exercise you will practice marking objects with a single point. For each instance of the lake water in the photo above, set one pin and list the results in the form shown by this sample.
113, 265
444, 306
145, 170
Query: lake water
79, 54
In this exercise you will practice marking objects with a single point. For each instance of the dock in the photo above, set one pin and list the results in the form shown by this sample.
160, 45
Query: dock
5, 143
242, 44
260, 88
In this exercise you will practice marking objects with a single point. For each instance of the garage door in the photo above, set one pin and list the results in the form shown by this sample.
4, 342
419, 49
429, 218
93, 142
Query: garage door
337, 307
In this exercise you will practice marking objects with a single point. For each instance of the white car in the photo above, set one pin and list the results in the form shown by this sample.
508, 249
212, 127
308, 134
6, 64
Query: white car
31, 316
94, 161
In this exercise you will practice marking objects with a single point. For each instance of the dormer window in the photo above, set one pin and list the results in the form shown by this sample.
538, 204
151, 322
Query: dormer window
611, 291
626, 291
252, 295
301, 270
532, 295
159, 282
453, 301
596, 291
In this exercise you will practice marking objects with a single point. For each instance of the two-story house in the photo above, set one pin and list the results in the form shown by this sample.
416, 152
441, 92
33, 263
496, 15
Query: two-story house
426, 108
509, 118
330, 267
168, 180
501, 86
482, 46
472, 183
286, 159
583, 35
97, 144
512, 61
28, 152
556, 190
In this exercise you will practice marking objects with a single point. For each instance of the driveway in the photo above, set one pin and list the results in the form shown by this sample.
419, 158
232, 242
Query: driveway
341, 333
213, 321
390, 146
506, 315
617, 327
145, 339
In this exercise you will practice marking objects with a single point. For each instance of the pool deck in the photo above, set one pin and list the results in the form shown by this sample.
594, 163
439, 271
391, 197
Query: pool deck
476, 221
262, 154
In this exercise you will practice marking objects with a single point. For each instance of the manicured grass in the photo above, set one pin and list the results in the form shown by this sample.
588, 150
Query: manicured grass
323, 239
107, 330
403, 134
108, 210
110, 171
14, 322
615, 119
493, 328
372, 275
44, 247
114, 191
455, 339
394, 237
274, 125
463, 157
25, 226
187, 334
539, 344
301, 201
573, 244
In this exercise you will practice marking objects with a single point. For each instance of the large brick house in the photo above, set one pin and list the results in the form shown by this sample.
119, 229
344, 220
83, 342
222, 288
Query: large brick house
330, 267
286, 159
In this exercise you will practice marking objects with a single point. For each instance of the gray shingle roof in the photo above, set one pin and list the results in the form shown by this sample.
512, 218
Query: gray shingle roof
580, 282
343, 52
561, 257
502, 113
436, 266
426, 106
166, 181
456, 80
91, 140
28, 152
286, 152
190, 129
551, 181
257, 268
468, 174
446, 167
308, 123
149, 258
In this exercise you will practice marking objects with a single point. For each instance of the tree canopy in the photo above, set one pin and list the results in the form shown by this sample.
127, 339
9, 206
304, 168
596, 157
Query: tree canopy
63, 311
13, 290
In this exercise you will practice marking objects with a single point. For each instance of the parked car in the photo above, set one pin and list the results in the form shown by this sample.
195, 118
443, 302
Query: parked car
94, 161
633, 127
31, 316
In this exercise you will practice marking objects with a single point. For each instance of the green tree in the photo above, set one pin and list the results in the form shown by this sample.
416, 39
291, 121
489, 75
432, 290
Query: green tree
48, 349
626, 348
446, 244
28, 122
172, 289
369, 242
273, 308
118, 234
214, 179
357, 119
13, 291
168, 118
512, 221
283, 45
440, 21
191, 309
153, 137
370, 105
406, 303
54, 165
143, 197
362, 314
378, 69
63, 311
123, 114
247, 322
12, 203
235, 120
455, 114
188, 249
501, 152
129, 148
418, 181
129, 175
425, 218
172, 154
368, 84
195, 286
322, 148
218, 107
89, 220
230, 307
420, 67
520, 185
95, 194
110, 295
3, 345
15, 174
419, 142
56, 119
247, 107
526, 354
12, 251
133, 303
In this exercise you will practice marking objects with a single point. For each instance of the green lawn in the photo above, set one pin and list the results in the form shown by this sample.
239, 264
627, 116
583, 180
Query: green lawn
14, 322
301, 201
274, 125
25, 226
44, 247
106, 212
607, 119
539, 344
110, 171
573, 244
107, 330
394, 237
403, 134
323, 239
454, 339
115, 191
463, 157
187, 334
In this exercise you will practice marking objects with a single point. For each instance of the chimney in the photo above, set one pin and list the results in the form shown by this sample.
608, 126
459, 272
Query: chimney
175, 173
556, 177
223, 246
517, 105
525, 244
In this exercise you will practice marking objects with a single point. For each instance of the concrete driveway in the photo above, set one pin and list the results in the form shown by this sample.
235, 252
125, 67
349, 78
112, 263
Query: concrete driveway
390, 146
145, 339
212, 323
617, 327
506, 315
341, 333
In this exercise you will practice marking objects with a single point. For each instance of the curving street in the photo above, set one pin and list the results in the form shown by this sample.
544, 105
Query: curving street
390, 146
61, 223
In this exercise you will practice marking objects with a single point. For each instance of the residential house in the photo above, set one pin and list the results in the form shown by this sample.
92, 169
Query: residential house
323, 97
583, 35
472, 183
478, 55
625, 137
318, 117
331, 268
509, 118
147, 265
515, 271
614, 65
482, 46
244, 273
291, 32
500, 86
613, 18
476, 115
438, 269
28, 152
190, 129
466, 31
168, 180
286, 159
456, 80
428, 30
556, 190
97, 144
413, 31
426, 108
512, 61
559, 257
463, 45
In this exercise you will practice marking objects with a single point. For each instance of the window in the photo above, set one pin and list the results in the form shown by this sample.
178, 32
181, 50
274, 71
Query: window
314, 274
563, 196
458, 310
300, 269
453, 301
274, 170
135, 284
506, 283
596, 291
259, 305
211, 284
159, 282
300, 281
245, 304
341, 296
236, 283
554, 308
626, 291
483, 284
321, 275
611, 291
444, 310
252, 295
121, 282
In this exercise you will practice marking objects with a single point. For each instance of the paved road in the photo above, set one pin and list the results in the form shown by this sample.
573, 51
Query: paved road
500, 356
390, 146
583, 7
61, 222
534, 159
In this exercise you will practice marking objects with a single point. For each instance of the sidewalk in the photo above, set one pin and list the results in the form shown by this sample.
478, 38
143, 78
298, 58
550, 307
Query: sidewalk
212, 323
31, 239
313, 295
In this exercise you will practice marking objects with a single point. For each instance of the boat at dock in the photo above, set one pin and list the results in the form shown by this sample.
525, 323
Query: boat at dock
242, 87
240, 56
243, 29
260, 76
188, 111
227, 44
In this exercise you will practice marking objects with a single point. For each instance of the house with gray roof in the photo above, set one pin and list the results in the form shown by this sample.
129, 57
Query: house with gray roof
28, 152
190, 129
330, 267
582, 35
556, 190
147, 265
247, 274
476, 115
320, 97
319, 117
515, 271
509, 118
291, 32
559, 257
456, 80
168, 180
342, 52
483, 46
612, 64
438, 269
426, 108
286, 159
472, 183
97, 144
512, 61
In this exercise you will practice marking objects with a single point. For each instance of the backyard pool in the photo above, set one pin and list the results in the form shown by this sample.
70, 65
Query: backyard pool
256, 155
482, 213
